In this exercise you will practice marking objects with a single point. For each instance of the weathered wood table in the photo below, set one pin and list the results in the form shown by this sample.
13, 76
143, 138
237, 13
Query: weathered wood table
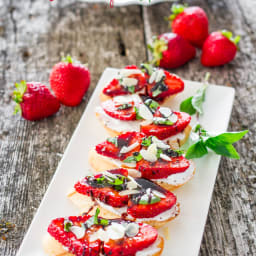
33, 34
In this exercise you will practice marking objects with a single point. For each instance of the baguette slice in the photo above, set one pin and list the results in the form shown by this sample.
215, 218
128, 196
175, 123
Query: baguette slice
101, 163
85, 204
53, 248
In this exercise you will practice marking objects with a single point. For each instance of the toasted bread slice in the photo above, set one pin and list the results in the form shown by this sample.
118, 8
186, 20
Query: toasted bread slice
85, 204
101, 163
53, 248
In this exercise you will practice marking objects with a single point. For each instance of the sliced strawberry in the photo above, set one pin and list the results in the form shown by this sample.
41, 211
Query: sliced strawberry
162, 169
173, 83
129, 246
114, 110
108, 195
111, 149
151, 210
114, 88
164, 131
78, 247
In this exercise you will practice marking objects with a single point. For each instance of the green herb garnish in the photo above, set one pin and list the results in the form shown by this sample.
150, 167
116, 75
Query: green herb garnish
138, 117
146, 141
136, 157
194, 104
145, 199
113, 140
148, 68
161, 120
131, 89
124, 106
67, 225
200, 141
153, 105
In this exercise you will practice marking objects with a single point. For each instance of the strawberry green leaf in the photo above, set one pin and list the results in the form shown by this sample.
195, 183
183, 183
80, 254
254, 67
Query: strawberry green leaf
17, 109
18, 95
229, 35
157, 49
67, 59
176, 10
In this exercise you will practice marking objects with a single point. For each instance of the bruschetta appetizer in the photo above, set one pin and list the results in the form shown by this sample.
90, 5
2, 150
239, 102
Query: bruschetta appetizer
156, 83
143, 156
96, 236
121, 196
131, 113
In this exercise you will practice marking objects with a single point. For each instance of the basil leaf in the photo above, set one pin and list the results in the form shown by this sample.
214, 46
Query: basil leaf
138, 117
146, 141
196, 150
186, 106
198, 99
129, 159
156, 92
153, 105
104, 222
148, 68
222, 149
116, 182
124, 106
131, 89
145, 199
67, 225
100, 180
159, 151
113, 141
161, 120
137, 156
95, 218
230, 137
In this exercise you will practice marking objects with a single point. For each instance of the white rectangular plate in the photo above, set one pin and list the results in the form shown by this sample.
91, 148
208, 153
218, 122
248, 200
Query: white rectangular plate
185, 232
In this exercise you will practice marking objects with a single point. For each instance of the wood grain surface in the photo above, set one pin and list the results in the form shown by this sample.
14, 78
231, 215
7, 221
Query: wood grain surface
33, 36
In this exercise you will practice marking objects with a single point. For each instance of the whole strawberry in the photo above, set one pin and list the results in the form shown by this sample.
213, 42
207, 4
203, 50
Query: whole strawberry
219, 48
171, 51
191, 23
69, 80
34, 101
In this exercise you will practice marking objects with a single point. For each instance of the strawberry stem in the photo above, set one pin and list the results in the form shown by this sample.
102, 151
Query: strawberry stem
18, 95
176, 10
229, 35
157, 49
67, 59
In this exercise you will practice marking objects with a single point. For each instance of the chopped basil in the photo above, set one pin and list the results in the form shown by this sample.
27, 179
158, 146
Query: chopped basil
113, 141
124, 106
173, 152
136, 157
131, 89
95, 218
159, 151
156, 92
146, 141
138, 117
161, 120
149, 199
148, 68
104, 222
159, 88
67, 225
153, 105
100, 180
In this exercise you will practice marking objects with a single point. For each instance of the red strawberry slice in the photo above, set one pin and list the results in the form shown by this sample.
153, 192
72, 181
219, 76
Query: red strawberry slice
152, 210
109, 149
129, 246
114, 88
174, 84
78, 247
88, 186
162, 169
114, 110
164, 131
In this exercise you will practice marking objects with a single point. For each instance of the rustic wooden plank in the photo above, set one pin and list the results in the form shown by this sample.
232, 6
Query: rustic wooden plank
33, 34
230, 229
